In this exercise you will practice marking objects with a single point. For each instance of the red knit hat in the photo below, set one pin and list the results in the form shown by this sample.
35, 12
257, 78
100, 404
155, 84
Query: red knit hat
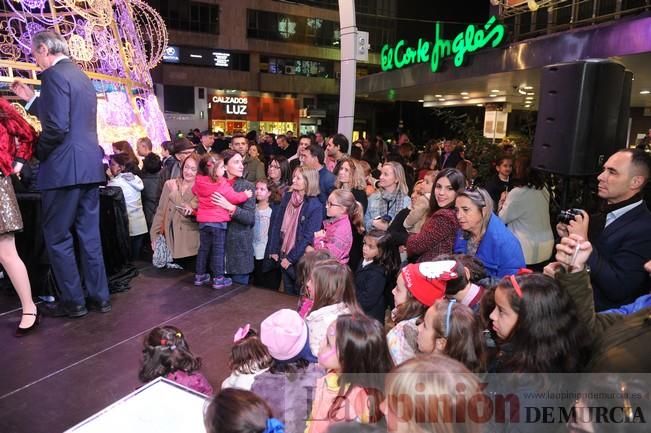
427, 281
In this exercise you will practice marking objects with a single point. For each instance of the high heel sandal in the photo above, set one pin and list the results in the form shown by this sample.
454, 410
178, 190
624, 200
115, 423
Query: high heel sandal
21, 332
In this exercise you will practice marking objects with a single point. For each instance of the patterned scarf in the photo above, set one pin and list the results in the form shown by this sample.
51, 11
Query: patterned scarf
290, 222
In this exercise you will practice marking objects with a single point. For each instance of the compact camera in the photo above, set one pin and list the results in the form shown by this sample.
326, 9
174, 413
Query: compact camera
568, 215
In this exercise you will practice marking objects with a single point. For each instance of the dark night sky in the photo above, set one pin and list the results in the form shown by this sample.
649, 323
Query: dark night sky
462, 11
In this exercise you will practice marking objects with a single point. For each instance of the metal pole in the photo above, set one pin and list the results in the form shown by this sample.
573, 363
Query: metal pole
347, 83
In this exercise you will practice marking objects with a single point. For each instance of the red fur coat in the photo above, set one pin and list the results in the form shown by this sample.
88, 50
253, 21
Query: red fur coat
17, 138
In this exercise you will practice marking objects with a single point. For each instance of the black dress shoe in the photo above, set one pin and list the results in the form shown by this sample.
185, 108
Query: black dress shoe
21, 332
101, 306
59, 309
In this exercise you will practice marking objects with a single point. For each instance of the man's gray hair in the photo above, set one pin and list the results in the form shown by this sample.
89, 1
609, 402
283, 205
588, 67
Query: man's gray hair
54, 42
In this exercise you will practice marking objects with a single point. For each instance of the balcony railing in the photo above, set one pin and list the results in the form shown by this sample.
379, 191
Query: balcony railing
528, 19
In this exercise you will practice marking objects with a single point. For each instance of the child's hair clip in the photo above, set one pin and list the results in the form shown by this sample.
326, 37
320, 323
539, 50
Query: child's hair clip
241, 332
178, 335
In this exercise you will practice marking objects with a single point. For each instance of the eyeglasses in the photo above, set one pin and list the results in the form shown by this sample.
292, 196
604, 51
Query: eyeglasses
329, 204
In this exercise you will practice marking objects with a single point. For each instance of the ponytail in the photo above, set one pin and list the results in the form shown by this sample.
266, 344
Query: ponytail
356, 215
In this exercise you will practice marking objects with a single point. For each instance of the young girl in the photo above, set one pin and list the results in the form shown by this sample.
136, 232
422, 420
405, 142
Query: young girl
240, 411
355, 346
122, 175
332, 288
536, 325
450, 328
288, 385
467, 288
212, 219
377, 271
249, 358
303, 272
344, 213
433, 378
264, 274
420, 201
418, 287
166, 353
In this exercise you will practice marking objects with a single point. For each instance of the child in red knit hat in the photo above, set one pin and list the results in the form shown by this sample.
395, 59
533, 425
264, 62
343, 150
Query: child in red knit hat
417, 288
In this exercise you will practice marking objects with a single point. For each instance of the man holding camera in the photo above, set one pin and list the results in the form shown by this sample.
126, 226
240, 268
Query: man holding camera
620, 233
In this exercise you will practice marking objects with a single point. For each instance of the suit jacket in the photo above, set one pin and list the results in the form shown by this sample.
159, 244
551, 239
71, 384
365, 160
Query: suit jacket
616, 263
68, 147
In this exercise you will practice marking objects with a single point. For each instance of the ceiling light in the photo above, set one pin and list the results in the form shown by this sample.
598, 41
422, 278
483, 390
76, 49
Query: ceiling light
495, 91
529, 98
533, 6
527, 87
480, 105
645, 92
464, 93
465, 97
442, 99
421, 100
438, 96
492, 95
530, 94
527, 106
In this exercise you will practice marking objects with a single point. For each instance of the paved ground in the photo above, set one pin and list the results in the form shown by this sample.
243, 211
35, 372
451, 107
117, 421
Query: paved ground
71, 368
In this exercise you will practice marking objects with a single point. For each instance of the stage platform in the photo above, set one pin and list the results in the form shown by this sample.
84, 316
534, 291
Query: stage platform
71, 368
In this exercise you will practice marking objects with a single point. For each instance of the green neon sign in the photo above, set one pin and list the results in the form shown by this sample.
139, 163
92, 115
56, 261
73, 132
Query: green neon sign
472, 39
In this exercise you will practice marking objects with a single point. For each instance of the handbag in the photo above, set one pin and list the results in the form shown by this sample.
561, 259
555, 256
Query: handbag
162, 257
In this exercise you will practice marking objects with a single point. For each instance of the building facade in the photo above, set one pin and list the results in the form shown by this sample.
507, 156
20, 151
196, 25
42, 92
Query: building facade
260, 65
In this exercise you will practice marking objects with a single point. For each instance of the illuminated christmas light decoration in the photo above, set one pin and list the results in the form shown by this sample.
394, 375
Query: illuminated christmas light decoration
116, 42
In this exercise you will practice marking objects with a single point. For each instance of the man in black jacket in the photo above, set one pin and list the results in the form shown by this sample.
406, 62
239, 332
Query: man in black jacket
621, 233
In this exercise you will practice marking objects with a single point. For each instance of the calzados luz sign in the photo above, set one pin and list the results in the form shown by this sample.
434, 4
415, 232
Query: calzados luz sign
234, 105
472, 39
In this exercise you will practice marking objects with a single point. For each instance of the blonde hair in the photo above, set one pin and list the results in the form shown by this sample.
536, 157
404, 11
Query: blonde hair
353, 208
311, 178
430, 394
399, 173
357, 176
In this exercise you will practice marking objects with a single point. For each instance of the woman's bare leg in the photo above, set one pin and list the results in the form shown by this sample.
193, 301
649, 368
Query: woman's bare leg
15, 269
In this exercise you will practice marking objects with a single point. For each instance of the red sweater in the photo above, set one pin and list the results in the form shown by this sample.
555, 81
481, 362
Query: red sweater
12, 125
208, 212
436, 237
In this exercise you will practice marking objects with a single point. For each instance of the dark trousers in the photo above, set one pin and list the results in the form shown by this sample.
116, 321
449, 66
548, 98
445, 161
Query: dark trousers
211, 245
267, 280
64, 210
136, 246
289, 281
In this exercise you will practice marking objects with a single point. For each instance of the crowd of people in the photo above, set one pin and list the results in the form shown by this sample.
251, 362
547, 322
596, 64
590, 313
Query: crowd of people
412, 276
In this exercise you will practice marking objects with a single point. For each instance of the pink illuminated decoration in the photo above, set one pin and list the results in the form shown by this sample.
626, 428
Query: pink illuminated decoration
117, 43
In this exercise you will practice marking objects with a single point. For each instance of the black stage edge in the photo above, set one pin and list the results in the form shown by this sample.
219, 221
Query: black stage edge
71, 368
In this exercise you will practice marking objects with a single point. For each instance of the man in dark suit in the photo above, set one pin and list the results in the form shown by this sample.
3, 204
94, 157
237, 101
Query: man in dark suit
450, 156
69, 175
314, 157
621, 233
207, 141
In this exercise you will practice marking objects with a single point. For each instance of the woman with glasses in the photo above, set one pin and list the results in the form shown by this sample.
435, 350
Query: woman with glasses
437, 235
485, 236
279, 174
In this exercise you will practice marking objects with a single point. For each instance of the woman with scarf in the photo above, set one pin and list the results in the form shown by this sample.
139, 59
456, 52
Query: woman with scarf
390, 198
16, 148
292, 227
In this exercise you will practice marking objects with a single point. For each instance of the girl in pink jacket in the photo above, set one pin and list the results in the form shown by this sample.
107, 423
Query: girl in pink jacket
344, 214
212, 219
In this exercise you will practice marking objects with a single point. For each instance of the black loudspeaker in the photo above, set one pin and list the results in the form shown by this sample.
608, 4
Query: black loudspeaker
582, 116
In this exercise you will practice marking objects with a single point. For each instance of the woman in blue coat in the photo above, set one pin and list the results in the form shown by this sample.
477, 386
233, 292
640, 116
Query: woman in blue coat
485, 236
299, 215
